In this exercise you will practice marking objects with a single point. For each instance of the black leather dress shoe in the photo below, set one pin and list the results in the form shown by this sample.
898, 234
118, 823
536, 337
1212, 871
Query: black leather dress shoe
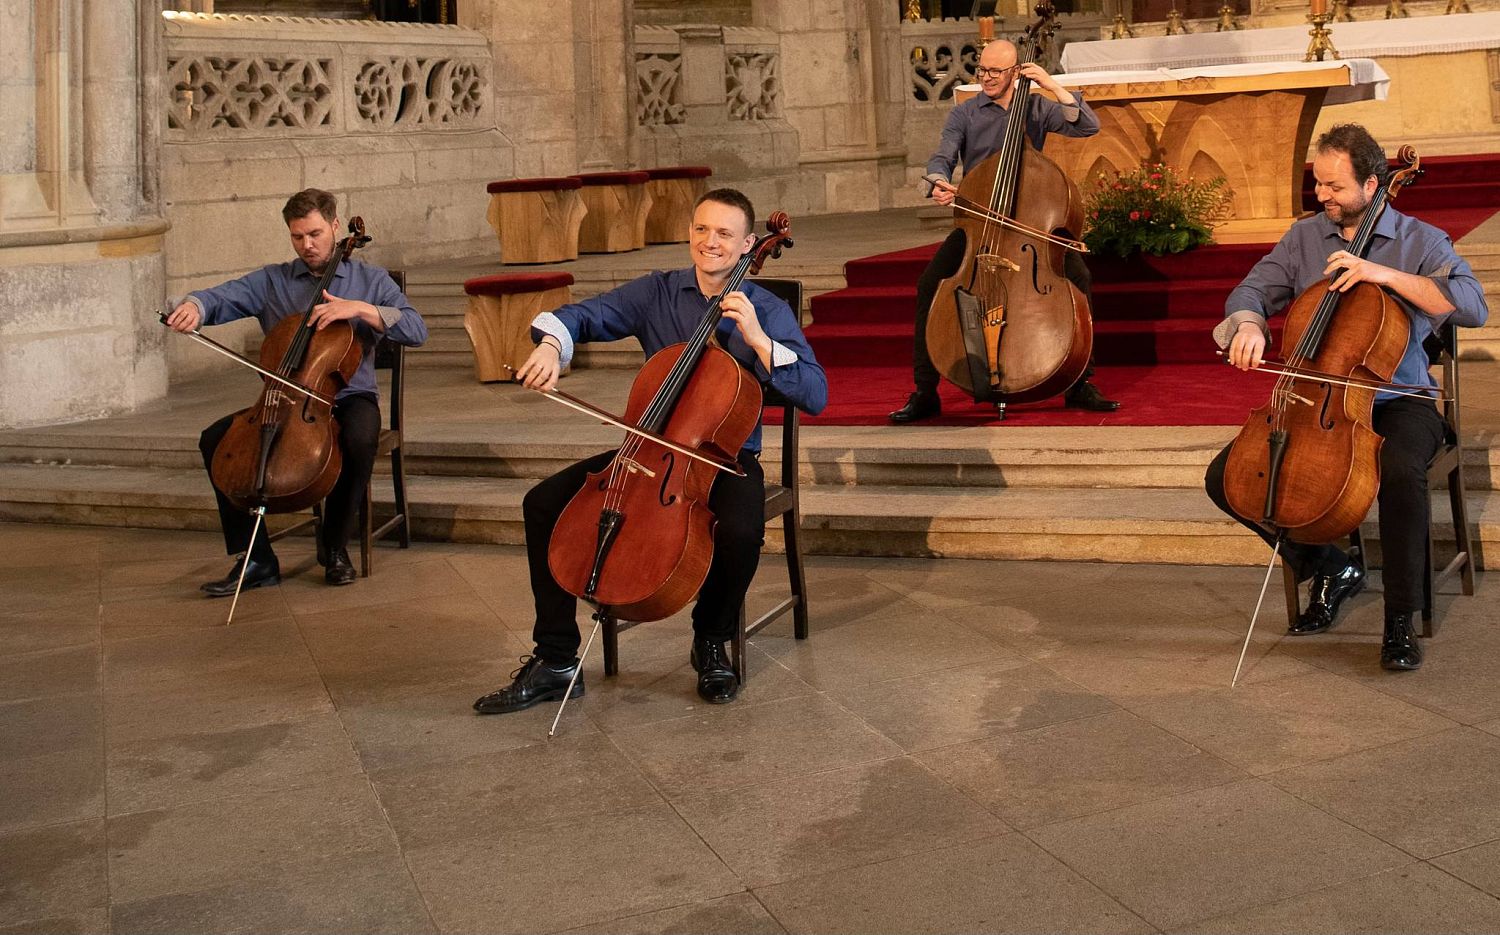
1325, 597
923, 404
717, 683
258, 575
533, 683
340, 570
1085, 395
1400, 651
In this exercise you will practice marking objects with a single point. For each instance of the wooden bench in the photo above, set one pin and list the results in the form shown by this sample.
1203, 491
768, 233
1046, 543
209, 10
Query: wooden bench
618, 204
499, 316
674, 190
536, 220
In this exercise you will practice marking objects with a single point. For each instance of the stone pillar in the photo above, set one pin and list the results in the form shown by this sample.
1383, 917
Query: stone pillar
831, 93
536, 82
80, 240
602, 31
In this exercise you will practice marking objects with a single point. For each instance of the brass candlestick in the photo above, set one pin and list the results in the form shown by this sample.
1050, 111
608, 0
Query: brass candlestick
1121, 29
1321, 45
1457, 6
1396, 9
913, 10
1226, 19
1341, 12
1174, 23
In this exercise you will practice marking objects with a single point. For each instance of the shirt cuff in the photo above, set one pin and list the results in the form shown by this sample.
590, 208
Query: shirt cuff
1224, 332
782, 356
389, 315
548, 323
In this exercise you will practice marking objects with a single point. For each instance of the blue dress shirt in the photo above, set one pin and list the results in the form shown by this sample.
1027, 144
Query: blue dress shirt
274, 292
975, 129
661, 309
1399, 241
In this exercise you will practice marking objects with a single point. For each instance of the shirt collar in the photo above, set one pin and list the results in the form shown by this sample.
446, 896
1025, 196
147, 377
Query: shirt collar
1385, 225
299, 269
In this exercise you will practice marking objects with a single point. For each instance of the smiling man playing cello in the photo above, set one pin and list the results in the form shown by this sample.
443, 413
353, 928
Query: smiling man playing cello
1416, 265
759, 331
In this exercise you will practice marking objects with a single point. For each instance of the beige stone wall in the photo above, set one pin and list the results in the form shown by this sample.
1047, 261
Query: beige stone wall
397, 120
80, 239
1443, 104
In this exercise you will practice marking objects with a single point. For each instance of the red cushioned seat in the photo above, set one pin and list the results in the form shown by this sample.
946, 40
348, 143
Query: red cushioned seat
613, 178
680, 172
561, 183
515, 283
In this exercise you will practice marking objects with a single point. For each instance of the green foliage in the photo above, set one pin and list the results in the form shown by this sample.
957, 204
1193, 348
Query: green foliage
1155, 210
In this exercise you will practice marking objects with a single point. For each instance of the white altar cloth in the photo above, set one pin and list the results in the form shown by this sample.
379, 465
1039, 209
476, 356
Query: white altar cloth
1367, 80
1422, 35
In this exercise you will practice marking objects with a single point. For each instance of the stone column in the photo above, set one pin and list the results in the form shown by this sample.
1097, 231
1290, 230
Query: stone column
80, 244
603, 52
535, 79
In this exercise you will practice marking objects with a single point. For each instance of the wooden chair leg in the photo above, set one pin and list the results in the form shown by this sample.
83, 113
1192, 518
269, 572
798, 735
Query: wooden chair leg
1293, 597
398, 484
737, 647
1458, 503
1428, 585
611, 647
791, 524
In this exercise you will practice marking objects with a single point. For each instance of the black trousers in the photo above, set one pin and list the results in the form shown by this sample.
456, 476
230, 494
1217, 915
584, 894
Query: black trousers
358, 417
1413, 431
738, 503
944, 264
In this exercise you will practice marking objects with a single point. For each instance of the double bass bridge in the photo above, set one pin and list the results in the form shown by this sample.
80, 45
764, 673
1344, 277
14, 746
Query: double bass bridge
992, 263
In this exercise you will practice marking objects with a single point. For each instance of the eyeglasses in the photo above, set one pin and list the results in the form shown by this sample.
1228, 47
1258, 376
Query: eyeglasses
993, 72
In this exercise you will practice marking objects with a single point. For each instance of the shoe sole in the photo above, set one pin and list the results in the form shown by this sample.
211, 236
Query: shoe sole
554, 695
249, 586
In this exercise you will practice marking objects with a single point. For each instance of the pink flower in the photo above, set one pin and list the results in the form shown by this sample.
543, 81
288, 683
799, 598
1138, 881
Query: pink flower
1135, 215
1156, 175
1146, 215
1096, 215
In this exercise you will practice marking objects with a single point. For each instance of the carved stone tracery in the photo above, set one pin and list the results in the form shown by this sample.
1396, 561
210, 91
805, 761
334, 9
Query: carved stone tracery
752, 85
658, 78
249, 93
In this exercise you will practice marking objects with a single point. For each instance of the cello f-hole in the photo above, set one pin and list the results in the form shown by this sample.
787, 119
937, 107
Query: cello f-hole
662, 497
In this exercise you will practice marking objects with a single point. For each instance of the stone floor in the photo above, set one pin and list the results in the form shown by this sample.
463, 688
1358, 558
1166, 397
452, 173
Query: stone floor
960, 747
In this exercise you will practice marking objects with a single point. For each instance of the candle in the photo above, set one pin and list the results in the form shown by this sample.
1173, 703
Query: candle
987, 25
1319, 7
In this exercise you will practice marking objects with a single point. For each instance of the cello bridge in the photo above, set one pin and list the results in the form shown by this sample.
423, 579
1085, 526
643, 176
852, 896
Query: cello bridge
635, 467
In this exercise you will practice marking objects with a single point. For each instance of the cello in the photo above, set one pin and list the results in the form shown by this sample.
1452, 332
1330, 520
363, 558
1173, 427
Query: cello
1306, 465
637, 540
281, 454
1008, 326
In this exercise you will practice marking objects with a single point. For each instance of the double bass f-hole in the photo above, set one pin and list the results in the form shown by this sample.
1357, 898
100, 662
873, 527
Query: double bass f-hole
1036, 264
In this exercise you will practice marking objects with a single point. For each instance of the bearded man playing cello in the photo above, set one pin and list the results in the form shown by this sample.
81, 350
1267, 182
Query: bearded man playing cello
362, 294
974, 131
1416, 265
763, 334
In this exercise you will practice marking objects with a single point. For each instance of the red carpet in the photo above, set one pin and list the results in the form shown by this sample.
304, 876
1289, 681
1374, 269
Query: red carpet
1152, 319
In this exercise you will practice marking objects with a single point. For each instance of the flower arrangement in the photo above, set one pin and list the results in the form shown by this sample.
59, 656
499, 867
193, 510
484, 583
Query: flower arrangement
1155, 210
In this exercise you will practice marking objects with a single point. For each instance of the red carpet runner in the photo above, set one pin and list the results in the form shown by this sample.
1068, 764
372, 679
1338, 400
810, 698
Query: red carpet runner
1152, 318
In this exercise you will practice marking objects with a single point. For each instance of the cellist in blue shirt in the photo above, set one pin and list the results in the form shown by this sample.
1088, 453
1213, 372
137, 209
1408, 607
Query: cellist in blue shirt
1416, 265
362, 294
760, 331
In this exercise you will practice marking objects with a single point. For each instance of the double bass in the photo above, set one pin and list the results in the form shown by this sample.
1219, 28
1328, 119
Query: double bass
1008, 326
1307, 463
637, 540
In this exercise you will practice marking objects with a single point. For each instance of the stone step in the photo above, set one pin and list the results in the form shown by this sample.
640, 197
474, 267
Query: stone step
1157, 526
1123, 459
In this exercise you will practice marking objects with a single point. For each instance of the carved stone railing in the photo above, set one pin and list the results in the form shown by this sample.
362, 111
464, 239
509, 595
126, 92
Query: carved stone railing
233, 77
684, 72
939, 54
